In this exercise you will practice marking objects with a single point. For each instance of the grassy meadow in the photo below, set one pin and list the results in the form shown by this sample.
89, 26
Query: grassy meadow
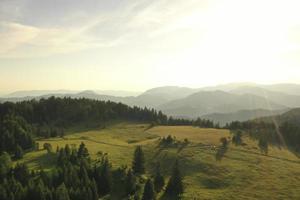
244, 173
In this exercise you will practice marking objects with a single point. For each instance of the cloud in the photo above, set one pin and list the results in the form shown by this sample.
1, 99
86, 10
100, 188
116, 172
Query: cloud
13, 35
37, 28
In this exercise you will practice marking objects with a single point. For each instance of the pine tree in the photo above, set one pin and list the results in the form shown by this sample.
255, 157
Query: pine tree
3, 193
5, 165
82, 152
149, 193
130, 183
61, 193
263, 145
84, 178
104, 178
237, 138
94, 190
174, 187
19, 152
138, 161
159, 180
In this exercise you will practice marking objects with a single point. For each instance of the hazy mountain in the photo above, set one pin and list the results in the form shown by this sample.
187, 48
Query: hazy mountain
36, 93
207, 102
228, 87
292, 89
171, 92
118, 93
189, 102
277, 97
291, 116
242, 115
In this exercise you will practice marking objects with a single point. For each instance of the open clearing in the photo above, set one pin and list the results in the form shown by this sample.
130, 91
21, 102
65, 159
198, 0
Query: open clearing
244, 173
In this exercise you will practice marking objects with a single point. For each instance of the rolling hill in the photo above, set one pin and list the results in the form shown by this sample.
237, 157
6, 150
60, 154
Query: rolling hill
241, 115
277, 97
292, 116
244, 172
203, 103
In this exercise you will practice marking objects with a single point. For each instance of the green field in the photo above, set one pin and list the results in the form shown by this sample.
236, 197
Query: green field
244, 173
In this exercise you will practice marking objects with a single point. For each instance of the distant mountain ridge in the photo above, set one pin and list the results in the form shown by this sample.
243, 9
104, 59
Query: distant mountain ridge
206, 102
241, 115
37, 93
292, 116
231, 101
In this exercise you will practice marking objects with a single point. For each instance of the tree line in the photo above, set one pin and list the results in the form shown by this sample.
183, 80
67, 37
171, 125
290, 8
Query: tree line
21, 122
283, 134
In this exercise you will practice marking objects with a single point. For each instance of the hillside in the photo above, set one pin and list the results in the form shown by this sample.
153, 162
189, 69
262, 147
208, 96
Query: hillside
243, 169
277, 97
241, 115
292, 116
203, 103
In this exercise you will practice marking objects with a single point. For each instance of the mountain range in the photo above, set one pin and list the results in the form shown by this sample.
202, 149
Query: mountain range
222, 103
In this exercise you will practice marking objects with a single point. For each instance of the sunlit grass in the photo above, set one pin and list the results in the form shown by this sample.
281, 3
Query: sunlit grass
244, 173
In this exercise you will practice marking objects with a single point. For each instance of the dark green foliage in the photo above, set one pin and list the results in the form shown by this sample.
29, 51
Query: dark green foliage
138, 163
103, 177
53, 114
21, 173
174, 188
203, 123
3, 193
237, 138
5, 165
159, 180
222, 149
282, 134
94, 190
48, 147
119, 177
290, 133
82, 151
15, 131
61, 193
19, 152
19, 122
77, 178
224, 142
169, 141
172, 142
263, 145
149, 193
130, 183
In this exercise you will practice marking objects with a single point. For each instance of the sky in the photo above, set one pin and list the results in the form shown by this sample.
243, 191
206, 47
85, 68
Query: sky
139, 44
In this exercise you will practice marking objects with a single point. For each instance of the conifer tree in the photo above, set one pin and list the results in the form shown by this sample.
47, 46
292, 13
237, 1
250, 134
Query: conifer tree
3, 193
174, 187
83, 175
19, 152
263, 145
159, 180
104, 178
138, 161
149, 193
82, 151
5, 165
130, 183
61, 193
94, 190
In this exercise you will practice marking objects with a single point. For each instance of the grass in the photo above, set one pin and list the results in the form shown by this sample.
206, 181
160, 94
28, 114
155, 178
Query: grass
244, 173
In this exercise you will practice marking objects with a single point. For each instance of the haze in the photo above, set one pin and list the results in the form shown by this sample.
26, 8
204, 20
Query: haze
135, 45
